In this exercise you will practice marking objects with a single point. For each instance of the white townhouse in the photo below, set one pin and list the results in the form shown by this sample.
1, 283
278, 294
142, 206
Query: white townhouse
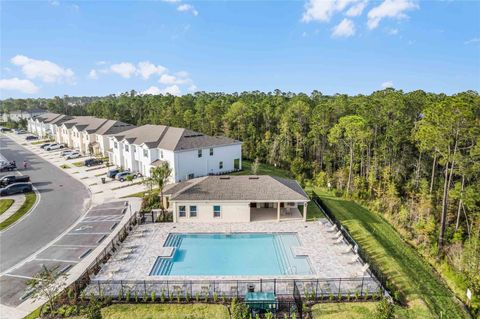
243, 198
46, 124
189, 154
88, 133
22, 114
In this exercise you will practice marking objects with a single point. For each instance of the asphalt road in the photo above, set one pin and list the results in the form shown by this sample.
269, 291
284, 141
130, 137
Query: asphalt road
63, 201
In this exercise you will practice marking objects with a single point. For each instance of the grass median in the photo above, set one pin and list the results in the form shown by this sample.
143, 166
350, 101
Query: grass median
29, 202
427, 295
5, 204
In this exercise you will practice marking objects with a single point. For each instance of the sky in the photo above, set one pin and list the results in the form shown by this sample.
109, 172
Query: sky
95, 48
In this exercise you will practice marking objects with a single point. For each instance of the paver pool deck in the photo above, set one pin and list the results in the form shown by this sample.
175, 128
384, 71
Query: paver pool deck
328, 257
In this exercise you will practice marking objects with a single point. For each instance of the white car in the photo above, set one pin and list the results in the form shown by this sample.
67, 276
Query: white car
66, 152
73, 155
54, 146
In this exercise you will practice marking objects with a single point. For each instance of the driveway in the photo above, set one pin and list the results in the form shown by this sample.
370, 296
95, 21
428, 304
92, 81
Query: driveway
63, 201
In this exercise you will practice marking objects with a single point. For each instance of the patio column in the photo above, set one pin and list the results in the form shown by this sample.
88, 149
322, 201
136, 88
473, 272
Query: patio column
174, 212
278, 211
305, 211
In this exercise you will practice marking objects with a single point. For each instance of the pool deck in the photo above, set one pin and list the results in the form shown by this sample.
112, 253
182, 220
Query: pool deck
329, 256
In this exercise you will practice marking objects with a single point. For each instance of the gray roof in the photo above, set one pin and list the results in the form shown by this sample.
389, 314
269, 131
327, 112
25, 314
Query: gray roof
48, 117
172, 138
93, 124
237, 188
114, 127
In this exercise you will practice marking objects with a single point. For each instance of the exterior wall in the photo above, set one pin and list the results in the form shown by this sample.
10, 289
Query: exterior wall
188, 162
66, 136
230, 212
104, 143
117, 154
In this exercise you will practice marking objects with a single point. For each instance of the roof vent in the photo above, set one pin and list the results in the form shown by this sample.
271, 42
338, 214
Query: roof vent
224, 177
253, 177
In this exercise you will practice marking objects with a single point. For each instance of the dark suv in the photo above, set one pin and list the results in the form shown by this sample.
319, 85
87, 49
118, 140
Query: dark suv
112, 173
16, 189
93, 162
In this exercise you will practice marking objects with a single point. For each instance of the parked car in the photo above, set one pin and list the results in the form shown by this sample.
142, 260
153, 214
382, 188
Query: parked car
93, 162
31, 138
123, 175
113, 172
16, 188
10, 179
20, 132
73, 155
66, 152
8, 167
5, 129
45, 145
54, 146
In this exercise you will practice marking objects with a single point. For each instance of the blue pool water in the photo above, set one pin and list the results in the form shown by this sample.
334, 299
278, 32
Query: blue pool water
231, 255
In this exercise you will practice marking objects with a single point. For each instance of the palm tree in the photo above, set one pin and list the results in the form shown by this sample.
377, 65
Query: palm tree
160, 176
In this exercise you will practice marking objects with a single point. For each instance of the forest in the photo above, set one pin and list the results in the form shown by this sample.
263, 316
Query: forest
412, 157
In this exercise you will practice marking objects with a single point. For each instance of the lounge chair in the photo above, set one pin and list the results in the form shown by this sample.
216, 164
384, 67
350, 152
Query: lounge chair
347, 249
333, 228
337, 235
339, 240
354, 259
362, 272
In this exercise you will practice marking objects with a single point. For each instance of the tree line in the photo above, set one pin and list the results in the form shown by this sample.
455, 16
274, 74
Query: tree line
413, 157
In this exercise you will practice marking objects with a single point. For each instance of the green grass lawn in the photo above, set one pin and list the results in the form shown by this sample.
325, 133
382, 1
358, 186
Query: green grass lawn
357, 310
29, 201
264, 169
78, 164
5, 204
162, 311
427, 295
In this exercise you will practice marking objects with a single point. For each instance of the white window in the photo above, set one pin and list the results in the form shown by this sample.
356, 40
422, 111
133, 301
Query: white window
126, 148
211, 152
161, 153
217, 211
134, 149
181, 211
199, 153
145, 153
193, 211
115, 144
220, 165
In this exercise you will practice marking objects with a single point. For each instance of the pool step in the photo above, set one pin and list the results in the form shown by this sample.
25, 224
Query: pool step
282, 256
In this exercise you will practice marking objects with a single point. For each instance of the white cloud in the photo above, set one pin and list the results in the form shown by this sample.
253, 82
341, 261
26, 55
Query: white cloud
389, 9
472, 41
323, 10
54, 3
171, 1
357, 9
93, 74
147, 69
15, 84
387, 84
153, 90
187, 8
192, 88
125, 69
183, 74
45, 70
169, 79
344, 29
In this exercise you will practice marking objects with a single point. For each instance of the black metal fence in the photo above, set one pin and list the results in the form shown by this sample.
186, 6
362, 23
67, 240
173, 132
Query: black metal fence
357, 248
311, 289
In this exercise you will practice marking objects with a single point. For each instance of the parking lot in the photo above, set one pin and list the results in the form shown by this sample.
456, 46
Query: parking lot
66, 252
90, 176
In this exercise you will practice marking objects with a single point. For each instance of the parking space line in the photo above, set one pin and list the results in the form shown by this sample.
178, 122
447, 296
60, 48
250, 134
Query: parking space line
59, 260
17, 276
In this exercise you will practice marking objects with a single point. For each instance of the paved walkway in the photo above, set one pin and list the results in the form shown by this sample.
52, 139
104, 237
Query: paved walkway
18, 201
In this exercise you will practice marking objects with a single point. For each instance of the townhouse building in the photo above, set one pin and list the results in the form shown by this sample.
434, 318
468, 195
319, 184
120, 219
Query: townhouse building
189, 154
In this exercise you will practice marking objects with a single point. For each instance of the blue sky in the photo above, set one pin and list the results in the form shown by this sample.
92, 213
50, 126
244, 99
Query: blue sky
179, 46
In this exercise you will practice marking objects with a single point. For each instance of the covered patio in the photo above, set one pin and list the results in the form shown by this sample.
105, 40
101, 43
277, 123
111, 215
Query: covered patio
279, 211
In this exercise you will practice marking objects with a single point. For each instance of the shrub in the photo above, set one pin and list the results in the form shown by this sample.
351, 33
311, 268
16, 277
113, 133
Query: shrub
152, 296
93, 310
135, 296
215, 297
127, 296
205, 298
178, 296
162, 296
187, 297
384, 310
269, 315
170, 296
145, 297
197, 297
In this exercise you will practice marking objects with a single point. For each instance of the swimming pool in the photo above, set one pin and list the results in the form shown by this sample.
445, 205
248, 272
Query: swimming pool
232, 255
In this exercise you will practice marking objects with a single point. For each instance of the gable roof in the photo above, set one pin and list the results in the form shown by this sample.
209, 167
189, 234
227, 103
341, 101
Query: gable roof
172, 138
237, 188
114, 127
48, 117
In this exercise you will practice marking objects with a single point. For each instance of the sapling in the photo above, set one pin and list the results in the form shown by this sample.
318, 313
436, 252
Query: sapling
135, 296
178, 297
170, 296
127, 296
206, 297
162, 296
215, 297
152, 296
197, 297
